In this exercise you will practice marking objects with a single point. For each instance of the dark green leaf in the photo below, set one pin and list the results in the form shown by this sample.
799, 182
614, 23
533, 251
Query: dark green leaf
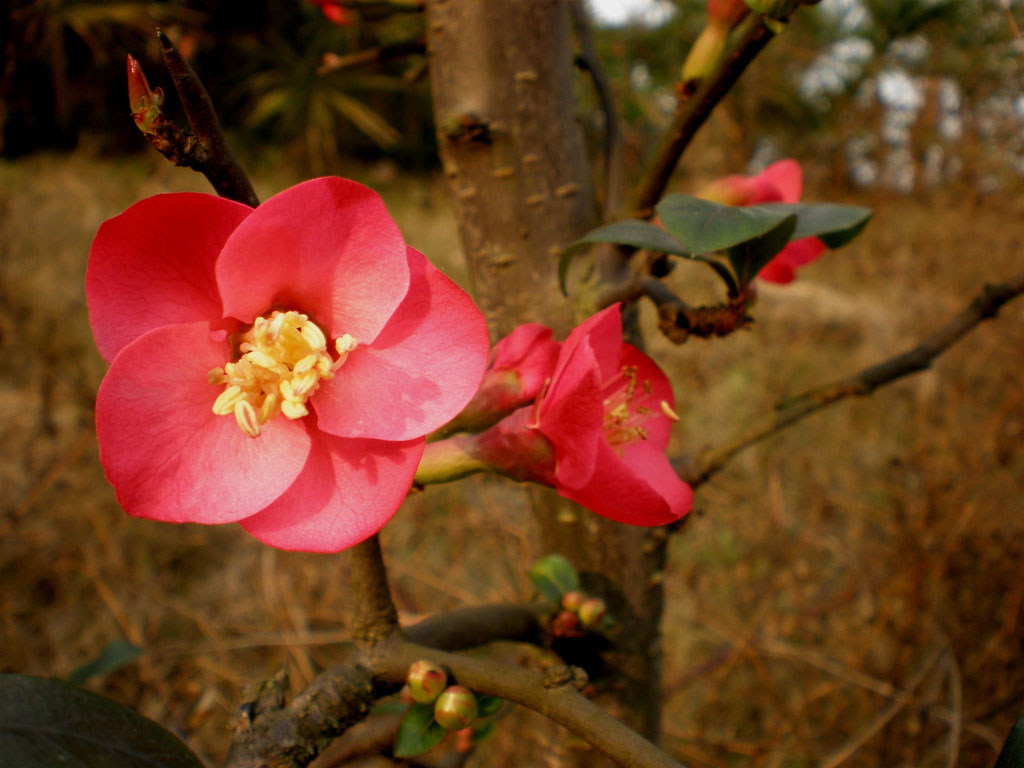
114, 655
418, 731
749, 258
553, 576
1012, 754
44, 723
834, 224
705, 227
634, 232
482, 729
487, 705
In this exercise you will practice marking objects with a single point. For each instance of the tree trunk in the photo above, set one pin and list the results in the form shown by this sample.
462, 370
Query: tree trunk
513, 155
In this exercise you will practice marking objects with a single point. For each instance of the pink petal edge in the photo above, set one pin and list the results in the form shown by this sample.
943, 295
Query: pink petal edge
418, 373
326, 247
153, 265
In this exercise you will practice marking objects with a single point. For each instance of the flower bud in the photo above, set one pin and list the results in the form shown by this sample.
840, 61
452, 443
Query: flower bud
730, 12
455, 709
592, 612
566, 624
145, 103
572, 600
426, 681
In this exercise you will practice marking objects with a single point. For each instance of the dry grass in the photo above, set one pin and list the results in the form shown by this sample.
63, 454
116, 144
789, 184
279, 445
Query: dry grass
829, 565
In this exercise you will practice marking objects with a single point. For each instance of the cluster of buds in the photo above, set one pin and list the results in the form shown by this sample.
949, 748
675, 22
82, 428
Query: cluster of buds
455, 707
579, 612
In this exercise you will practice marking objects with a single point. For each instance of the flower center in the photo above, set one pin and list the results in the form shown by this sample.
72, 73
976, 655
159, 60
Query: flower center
624, 413
283, 359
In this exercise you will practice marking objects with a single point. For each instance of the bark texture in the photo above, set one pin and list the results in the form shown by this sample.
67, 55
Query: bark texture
513, 154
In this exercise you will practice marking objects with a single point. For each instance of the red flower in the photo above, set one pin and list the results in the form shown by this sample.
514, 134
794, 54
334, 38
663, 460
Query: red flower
334, 11
519, 366
780, 182
278, 367
598, 433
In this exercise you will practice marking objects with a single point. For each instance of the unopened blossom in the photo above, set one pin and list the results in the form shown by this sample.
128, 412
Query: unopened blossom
597, 433
710, 46
780, 182
334, 11
519, 366
278, 366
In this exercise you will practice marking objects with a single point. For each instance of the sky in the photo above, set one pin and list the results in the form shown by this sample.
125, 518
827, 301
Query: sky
619, 11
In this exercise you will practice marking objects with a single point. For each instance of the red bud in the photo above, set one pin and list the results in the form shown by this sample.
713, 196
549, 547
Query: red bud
144, 101
456, 708
426, 681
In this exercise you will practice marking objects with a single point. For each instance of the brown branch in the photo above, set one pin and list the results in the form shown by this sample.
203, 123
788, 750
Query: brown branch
753, 36
698, 470
268, 734
374, 615
205, 149
332, 62
553, 695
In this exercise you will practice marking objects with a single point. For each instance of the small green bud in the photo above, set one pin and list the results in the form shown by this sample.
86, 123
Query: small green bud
456, 708
592, 612
426, 681
572, 600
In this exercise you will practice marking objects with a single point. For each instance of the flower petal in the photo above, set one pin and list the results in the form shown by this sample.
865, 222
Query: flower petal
163, 449
154, 265
645, 491
346, 493
782, 269
419, 372
326, 247
571, 415
603, 332
786, 176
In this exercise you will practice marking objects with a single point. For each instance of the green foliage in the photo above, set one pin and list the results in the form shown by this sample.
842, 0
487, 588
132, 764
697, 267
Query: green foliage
44, 723
553, 576
418, 731
114, 655
1012, 754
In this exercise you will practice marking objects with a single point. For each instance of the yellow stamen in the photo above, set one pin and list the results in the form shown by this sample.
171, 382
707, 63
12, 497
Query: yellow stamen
283, 358
667, 410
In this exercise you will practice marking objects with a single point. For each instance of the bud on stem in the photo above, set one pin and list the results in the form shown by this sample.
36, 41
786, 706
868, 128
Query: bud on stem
426, 681
456, 708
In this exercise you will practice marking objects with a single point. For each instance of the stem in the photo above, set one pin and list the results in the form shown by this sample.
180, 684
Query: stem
753, 37
374, 616
553, 695
447, 460
215, 160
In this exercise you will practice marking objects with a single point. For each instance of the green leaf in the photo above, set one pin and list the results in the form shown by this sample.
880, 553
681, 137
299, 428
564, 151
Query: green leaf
553, 576
114, 655
418, 731
487, 705
1012, 754
749, 257
705, 227
44, 723
634, 232
482, 729
835, 224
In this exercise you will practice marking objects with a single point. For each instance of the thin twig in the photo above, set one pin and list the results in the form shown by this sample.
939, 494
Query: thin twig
333, 62
613, 146
752, 36
212, 157
699, 469
956, 706
839, 756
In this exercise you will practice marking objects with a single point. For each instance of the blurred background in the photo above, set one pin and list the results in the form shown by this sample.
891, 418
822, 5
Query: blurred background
848, 591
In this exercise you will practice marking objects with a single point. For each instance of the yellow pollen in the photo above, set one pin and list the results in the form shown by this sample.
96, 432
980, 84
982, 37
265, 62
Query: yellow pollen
667, 410
283, 359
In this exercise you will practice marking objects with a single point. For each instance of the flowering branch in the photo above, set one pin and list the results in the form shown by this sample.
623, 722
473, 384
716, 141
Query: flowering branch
204, 149
699, 469
753, 37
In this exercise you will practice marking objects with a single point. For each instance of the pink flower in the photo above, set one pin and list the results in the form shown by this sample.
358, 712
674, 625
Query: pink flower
599, 431
519, 366
276, 366
780, 182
